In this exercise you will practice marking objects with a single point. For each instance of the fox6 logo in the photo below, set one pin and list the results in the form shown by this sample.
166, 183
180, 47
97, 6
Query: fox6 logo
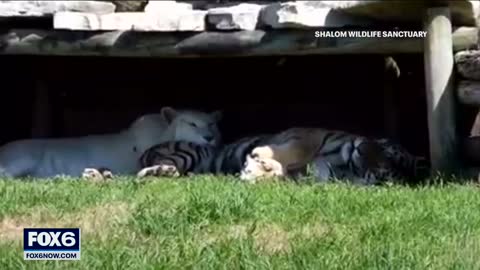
51, 243
52, 239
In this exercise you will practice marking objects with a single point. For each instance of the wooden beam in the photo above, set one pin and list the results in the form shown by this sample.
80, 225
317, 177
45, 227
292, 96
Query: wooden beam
439, 66
178, 44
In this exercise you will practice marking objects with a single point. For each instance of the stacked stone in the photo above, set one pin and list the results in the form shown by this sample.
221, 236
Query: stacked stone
171, 16
468, 93
192, 28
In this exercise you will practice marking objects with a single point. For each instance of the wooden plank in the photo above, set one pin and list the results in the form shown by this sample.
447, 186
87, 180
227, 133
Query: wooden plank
439, 66
239, 43
180, 44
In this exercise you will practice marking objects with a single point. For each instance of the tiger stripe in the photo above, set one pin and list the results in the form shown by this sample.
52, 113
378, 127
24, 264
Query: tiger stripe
345, 154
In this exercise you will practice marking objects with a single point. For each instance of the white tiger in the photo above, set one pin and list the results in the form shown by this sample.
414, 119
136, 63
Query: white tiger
117, 151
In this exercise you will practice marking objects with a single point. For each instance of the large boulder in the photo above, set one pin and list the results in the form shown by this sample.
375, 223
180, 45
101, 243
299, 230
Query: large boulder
48, 8
167, 6
468, 64
243, 16
193, 20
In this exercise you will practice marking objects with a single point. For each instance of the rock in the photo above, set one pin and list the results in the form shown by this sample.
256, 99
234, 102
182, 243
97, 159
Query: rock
463, 12
468, 92
468, 64
76, 21
193, 20
129, 6
303, 14
198, 4
47, 8
307, 14
225, 4
167, 6
238, 17
466, 37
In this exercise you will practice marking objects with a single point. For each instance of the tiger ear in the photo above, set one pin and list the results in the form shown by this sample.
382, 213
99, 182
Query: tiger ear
169, 113
217, 115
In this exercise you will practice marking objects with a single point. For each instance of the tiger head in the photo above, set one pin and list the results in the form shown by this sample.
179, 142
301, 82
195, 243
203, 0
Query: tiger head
256, 168
193, 126
176, 125
263, 152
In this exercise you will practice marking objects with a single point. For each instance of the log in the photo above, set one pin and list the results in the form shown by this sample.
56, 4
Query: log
439, 66
468, 64
240, 43
468, 92
190, 44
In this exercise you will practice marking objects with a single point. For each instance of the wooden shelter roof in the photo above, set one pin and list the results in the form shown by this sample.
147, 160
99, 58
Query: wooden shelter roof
193, 28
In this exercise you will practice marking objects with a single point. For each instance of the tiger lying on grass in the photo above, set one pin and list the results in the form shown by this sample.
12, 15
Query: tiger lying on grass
117, 151
333, 154
358, 159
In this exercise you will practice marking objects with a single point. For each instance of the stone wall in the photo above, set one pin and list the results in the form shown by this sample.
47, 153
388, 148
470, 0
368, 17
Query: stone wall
220, 16
203, 28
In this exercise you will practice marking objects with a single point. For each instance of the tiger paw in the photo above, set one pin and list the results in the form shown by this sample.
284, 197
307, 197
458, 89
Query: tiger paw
159, 170
96, 175
106, 173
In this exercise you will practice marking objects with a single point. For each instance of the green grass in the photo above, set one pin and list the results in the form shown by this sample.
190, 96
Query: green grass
206, 223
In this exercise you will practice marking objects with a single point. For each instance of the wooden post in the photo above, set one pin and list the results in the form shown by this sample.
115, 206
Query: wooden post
439, 70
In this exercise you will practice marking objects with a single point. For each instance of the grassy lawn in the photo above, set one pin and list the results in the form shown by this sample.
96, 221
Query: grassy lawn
223, 224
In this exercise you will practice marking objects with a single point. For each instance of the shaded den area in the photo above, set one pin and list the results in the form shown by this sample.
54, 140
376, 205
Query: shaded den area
89, 95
